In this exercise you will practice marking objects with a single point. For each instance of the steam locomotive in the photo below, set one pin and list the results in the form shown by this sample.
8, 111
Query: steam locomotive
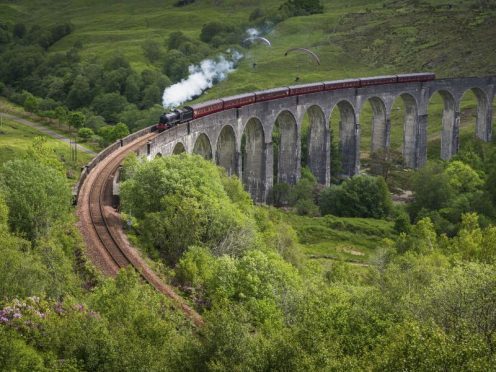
187, 113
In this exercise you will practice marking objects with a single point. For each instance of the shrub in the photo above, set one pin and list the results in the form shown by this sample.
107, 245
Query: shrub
182, 201
302, 7
360, 196
85, 133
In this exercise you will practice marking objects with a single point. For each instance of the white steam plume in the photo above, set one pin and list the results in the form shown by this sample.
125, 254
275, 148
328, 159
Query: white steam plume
252, 32
201, 77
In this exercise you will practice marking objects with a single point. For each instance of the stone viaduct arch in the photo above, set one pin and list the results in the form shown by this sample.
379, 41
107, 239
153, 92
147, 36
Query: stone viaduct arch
410, 130
348, 137
449, 118
286, 159
226, 153
202, 147
482, 130
178, 148
240, 140
253, 159
380, 125
317, 143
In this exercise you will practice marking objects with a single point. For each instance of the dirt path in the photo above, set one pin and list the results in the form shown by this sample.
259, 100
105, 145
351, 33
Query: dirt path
45, 130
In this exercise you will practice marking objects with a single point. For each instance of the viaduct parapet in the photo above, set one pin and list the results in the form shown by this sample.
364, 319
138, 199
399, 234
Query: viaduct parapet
240, 140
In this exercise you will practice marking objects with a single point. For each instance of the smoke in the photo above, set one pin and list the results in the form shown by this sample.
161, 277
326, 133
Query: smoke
201, 77
252, 32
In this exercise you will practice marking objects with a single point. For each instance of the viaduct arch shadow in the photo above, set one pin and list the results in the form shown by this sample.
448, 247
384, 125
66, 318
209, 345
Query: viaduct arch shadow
202, 147
226, 156
347, 137
285, 138
253, 159
317, 143
178, 149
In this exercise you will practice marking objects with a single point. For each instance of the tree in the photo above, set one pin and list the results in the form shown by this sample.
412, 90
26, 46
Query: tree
61, 30
115, 80
19, 30
152, 50
176, 39
76, 119
31, 103
421, 239
132, 88
151, 96
85, 133
182, 202
175, 65
302, 7
80, 94
211, 29
61, 114
432, 189
36, 194
120, 131
111, 133
117, 61
109, 105
462, 178
359, 196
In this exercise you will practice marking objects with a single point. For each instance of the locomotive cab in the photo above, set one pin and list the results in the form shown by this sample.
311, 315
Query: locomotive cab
167, 121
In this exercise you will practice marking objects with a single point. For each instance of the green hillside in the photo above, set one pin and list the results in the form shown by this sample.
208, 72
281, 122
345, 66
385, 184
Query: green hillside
353, 38
336, 278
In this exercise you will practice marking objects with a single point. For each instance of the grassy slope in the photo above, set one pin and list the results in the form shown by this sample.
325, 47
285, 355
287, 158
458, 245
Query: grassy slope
15, 140
353, 38
339, 238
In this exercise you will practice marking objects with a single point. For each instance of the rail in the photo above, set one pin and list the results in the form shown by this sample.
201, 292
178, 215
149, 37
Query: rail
102, 155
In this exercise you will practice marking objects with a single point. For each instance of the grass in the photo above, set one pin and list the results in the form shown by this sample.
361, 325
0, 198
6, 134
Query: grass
16, 139
331, 238
54, 125
353, 38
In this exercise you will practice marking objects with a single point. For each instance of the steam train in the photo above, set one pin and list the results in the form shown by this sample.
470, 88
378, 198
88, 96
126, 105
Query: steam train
187, 113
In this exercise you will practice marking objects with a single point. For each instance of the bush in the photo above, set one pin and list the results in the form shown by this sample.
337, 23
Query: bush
256, 14
302, 7
109, 106
152, 50
182, 201
37, 195
280, 194
85, 133
176, 65
360, 196
111, 133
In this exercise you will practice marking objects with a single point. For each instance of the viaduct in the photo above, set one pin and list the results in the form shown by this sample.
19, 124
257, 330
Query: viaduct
240, 140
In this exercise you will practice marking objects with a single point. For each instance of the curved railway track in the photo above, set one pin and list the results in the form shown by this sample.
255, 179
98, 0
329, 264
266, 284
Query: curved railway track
106, 243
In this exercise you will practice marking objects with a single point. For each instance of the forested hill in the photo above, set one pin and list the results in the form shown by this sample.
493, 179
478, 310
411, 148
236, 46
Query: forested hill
78, 53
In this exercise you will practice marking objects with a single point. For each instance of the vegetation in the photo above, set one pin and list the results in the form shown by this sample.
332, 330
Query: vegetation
360, 196
403, 287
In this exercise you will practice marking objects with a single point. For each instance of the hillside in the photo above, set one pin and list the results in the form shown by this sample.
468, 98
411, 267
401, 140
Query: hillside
353, 38
334, 278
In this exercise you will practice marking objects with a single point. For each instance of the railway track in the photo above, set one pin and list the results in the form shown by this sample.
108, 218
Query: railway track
101, 227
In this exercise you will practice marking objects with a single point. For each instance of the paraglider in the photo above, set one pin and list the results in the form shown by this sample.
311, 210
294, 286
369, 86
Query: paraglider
312, 55
260, 39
